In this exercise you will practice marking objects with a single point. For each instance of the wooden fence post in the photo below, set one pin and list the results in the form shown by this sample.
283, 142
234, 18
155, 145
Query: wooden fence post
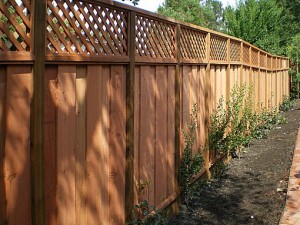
38, 28
208, 104
130, 73
178, 95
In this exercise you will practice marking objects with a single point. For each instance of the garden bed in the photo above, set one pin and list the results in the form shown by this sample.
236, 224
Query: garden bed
253, 189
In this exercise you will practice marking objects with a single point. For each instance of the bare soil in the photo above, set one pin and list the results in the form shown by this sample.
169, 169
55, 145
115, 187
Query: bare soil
253, 189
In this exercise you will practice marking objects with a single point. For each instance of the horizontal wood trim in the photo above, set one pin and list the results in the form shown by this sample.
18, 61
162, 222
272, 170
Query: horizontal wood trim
57, 58
139, 59
193, 61
16, 57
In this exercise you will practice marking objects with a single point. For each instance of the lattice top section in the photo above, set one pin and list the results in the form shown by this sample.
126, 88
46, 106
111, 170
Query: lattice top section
154, 38
269, 62
254, 57
15, 25
192, 44
79, 27
235, 50
218, 48
246, 54
263, 60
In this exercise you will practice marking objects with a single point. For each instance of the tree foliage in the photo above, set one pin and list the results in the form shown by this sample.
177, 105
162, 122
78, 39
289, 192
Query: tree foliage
207, 13
257, 22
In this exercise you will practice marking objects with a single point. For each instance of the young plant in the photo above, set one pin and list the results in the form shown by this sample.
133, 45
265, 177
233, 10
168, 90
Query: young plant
144, 213
287, 104
190, 165
218, 125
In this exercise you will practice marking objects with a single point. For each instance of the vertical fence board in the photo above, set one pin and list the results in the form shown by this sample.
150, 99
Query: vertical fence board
97, 152
224, 82
17, 147
161, 134
137, 117
3, 209
66, 133
170, 151
147, 133
117, 144
50, 144
201, 102
80, 151
185, 100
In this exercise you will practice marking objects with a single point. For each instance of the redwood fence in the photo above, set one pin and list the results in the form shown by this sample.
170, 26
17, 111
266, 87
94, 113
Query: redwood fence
94, 96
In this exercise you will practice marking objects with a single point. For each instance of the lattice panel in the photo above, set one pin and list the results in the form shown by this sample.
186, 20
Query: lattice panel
192, 44
263, 60
269, 62
254, 57
235, 50
15, 25
246, 54
79, 27
218, 48
154, 38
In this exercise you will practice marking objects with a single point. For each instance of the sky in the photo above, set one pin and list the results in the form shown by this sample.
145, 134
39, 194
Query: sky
152, 5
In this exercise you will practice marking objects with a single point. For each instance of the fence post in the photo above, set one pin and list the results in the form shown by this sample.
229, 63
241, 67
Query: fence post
177, 114
130, 73
38, 28
208, 104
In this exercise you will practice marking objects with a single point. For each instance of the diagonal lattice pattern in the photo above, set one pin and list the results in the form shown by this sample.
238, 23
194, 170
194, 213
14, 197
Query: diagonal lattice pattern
154, 38
269, 62
263, 60
83, 28
254, 57
246, 54
192, 44
218, 48
235, 51
15, 25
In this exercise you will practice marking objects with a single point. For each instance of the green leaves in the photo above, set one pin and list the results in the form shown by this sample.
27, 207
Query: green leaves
257, 22
190, 165
207, 13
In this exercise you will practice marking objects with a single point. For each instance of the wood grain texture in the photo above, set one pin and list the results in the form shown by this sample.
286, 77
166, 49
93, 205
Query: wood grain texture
3, 203
66, 144
97, 153
117, 143
161, 130
170, 151
80, 151
17, 145
50, 144
147, 132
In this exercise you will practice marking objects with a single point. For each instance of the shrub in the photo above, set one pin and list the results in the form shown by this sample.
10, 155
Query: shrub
190, 165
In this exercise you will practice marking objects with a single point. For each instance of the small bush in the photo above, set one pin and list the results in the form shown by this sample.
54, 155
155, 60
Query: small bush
190, 165
286, 105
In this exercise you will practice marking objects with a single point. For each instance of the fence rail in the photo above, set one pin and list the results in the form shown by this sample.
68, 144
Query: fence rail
94, 97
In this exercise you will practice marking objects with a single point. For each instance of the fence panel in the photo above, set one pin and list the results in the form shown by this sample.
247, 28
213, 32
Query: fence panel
155, 131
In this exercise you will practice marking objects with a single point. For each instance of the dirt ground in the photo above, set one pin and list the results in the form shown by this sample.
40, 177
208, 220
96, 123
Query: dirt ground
253, 189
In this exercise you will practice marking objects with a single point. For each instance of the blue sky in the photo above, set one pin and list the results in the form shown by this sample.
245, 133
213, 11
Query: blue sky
152, 5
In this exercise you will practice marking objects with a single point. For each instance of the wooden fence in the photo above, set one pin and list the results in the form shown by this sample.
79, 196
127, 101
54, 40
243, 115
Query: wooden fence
94, 96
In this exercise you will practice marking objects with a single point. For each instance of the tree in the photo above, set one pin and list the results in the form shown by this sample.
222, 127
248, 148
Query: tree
258, 22
207, 13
